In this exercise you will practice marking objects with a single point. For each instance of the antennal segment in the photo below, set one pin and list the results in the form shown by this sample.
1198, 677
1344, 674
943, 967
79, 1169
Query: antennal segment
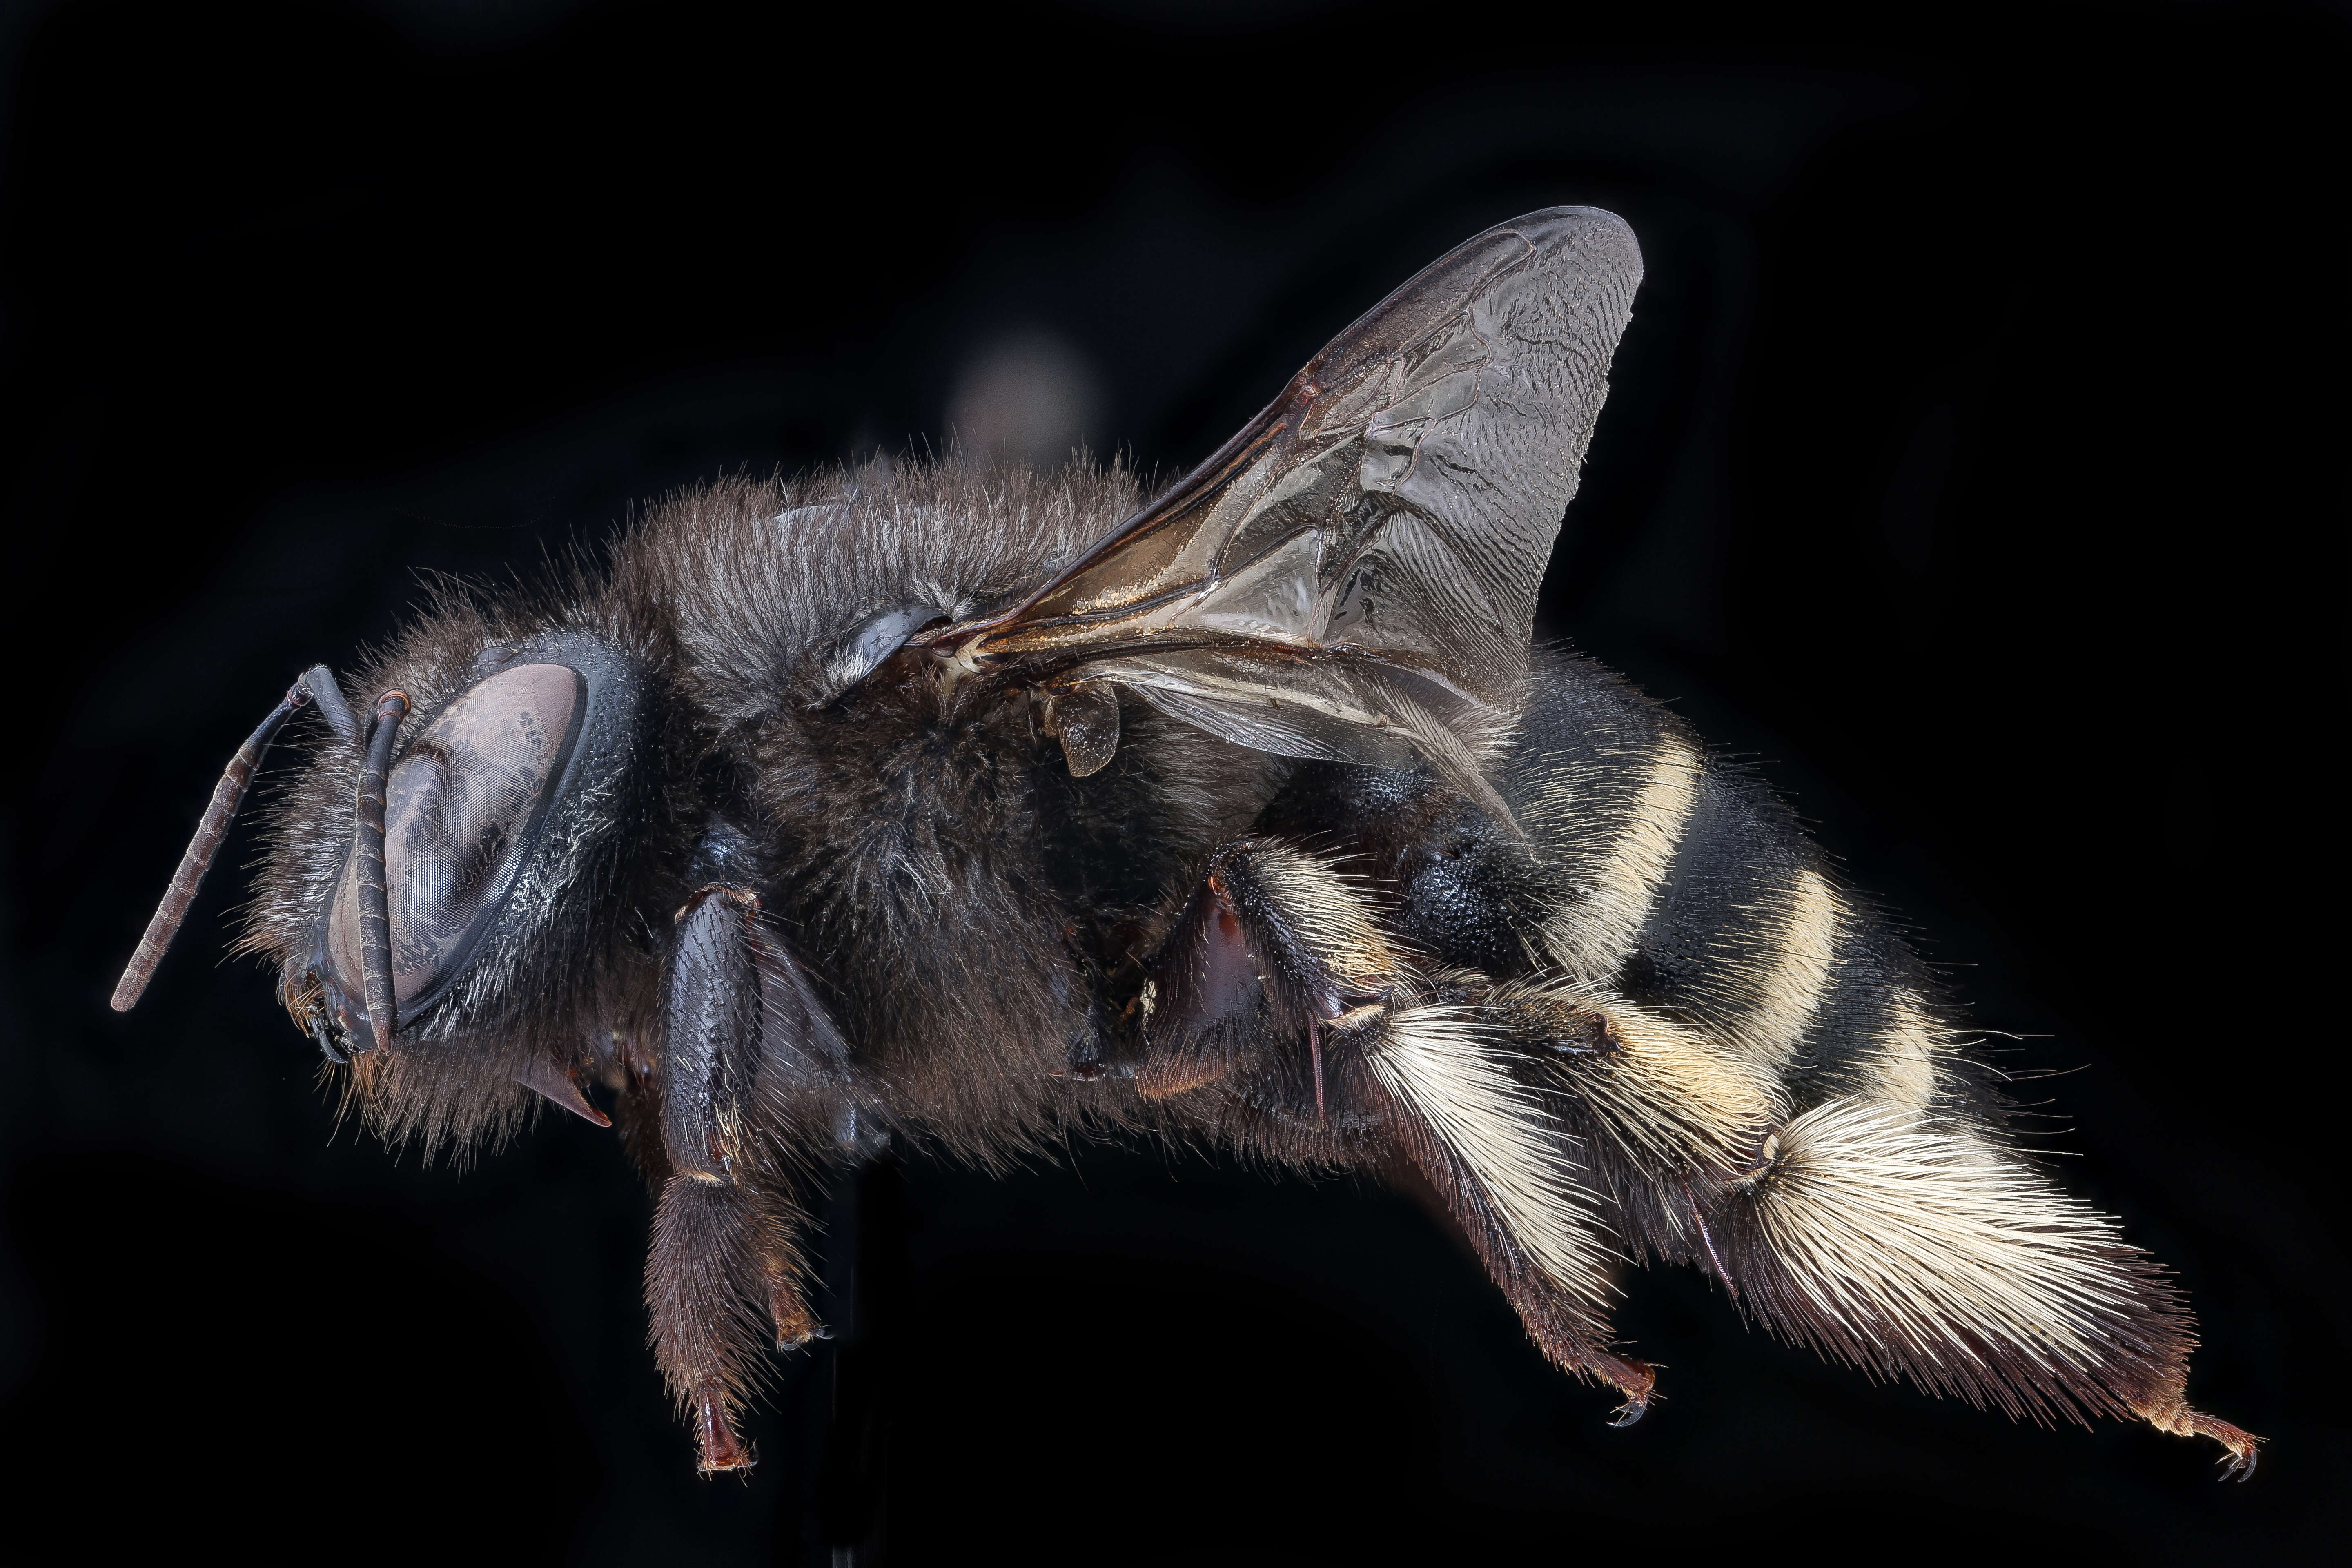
227, 796
376, 907
320, 682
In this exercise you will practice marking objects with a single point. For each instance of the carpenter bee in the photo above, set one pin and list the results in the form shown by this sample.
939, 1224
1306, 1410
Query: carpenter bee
984, 807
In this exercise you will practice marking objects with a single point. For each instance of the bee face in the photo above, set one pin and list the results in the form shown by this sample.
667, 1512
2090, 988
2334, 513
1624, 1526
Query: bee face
514, 794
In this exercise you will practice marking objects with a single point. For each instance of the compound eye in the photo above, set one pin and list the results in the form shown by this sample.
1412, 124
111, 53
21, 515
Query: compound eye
461, 810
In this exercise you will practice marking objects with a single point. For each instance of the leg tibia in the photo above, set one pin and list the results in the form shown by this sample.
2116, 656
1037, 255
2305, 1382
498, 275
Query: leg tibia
1482, 1142
1919, 1245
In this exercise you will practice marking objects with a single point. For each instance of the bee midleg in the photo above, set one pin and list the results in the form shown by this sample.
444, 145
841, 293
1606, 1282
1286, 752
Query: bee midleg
724, 1271
1280, 979
1511, 1179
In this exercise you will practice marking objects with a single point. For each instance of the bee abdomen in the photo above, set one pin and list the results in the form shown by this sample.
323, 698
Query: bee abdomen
1685, 887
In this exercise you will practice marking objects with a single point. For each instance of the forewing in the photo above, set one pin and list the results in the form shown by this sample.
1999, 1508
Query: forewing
1362, 561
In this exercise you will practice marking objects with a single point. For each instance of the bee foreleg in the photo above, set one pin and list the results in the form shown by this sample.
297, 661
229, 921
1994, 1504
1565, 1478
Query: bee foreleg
723, 1256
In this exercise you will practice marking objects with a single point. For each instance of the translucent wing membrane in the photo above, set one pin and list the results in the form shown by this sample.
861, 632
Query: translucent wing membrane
1354, 574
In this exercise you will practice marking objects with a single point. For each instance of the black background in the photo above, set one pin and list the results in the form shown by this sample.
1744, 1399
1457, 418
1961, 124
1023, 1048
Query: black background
1974, 462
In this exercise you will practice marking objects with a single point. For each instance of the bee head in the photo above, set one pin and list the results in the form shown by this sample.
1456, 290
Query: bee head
430, 893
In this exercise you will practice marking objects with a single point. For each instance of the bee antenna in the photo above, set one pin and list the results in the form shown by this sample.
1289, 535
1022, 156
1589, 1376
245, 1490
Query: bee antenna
227, 794
375, 909
328, 693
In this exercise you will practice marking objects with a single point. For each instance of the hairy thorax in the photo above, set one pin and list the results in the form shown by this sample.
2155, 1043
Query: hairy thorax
978, 915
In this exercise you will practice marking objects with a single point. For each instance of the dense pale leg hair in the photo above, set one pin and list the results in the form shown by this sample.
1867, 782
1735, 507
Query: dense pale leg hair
1767, 1093
1658, 1024
1433, 1078
1506, 1177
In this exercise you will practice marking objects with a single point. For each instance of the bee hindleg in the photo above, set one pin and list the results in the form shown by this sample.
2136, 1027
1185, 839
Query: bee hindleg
1918, 1244
1656, 1097
723, 1272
